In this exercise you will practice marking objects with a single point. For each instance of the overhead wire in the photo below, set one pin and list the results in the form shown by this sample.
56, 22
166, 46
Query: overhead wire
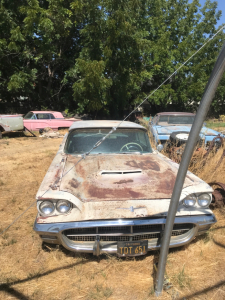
83, 156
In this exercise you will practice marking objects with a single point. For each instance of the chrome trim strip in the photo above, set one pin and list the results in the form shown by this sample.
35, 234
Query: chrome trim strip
57, 227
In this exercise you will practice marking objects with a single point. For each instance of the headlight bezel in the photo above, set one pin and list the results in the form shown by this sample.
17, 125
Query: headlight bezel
209, 201
55, 211
45, 202
58, 203
193, 199
197, 204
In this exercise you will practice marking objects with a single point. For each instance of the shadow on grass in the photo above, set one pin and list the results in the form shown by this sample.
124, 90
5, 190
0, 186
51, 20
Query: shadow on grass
6, 287
218, 244
18, 134
11, 291
218, 285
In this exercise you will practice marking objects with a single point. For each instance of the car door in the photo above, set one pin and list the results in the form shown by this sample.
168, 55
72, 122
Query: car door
42, 121
30, 121
54, 122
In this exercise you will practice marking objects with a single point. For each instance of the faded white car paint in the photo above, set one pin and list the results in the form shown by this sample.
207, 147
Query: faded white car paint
11, 122
114, 190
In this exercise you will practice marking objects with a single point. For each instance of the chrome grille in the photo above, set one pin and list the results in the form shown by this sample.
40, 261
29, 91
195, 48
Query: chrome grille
122, 238
123, 233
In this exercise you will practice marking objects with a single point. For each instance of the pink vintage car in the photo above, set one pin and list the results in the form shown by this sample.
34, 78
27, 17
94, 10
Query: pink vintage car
36, 120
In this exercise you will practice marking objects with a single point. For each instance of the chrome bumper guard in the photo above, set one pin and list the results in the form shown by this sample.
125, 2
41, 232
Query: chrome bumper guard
54, 233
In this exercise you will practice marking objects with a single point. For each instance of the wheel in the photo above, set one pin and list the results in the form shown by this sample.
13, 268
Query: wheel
0, 135
132, 147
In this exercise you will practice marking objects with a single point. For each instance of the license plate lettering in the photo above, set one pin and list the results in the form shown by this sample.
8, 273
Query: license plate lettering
132, 248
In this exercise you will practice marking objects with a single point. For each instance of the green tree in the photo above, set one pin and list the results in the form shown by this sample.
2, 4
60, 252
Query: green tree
39, 42
106, 56
139, 44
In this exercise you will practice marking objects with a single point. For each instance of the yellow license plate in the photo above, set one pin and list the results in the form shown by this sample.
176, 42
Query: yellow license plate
133, 248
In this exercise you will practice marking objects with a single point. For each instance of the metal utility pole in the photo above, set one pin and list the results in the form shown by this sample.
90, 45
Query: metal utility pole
208, 95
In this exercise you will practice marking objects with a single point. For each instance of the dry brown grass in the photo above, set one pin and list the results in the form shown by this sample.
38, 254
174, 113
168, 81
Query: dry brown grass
29, 270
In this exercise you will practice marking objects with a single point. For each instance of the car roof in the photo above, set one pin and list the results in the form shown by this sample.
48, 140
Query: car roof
43, 111
176, 113
104, 124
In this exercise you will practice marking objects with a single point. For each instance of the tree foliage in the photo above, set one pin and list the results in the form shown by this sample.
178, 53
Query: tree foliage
105, 56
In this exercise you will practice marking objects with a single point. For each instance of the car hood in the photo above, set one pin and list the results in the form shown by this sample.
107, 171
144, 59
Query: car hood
121, 177
209, 131
167, 130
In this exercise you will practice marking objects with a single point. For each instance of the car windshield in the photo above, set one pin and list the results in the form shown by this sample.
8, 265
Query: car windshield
176, 120
29, 115
121, 141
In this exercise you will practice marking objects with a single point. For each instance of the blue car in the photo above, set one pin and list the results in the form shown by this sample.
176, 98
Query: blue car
176, 126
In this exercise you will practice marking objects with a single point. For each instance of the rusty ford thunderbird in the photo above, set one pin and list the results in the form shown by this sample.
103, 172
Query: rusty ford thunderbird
116, 199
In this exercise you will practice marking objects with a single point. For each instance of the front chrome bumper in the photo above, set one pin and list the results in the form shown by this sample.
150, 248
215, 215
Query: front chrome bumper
53, 232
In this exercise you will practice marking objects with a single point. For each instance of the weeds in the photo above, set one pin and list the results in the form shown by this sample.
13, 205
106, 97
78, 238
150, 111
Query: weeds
5, 236
34, 274
215, 125
11, 242
208, 236
182, 279
103, 274
100, 292
151, 292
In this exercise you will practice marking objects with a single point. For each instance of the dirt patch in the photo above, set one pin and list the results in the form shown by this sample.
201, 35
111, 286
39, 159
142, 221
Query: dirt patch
32, 271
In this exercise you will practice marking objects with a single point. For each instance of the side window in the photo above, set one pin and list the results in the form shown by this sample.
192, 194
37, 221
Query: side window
43, 116
52, 116
164, 119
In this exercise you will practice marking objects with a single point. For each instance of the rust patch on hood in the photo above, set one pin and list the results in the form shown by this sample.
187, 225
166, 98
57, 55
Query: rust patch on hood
115, 177
124, 181
104, 193
74, 183
144, 165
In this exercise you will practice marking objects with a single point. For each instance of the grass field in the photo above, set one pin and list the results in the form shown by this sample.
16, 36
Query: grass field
218, 126
30, 270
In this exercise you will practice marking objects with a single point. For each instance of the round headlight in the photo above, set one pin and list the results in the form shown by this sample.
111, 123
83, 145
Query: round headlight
189, 201
47, 208
63, 206
204, 200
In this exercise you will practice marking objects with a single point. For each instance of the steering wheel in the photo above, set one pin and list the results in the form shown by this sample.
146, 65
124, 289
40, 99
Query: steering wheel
132, 147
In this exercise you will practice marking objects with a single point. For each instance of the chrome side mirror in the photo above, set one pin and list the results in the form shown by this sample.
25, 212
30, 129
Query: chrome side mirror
159, 147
